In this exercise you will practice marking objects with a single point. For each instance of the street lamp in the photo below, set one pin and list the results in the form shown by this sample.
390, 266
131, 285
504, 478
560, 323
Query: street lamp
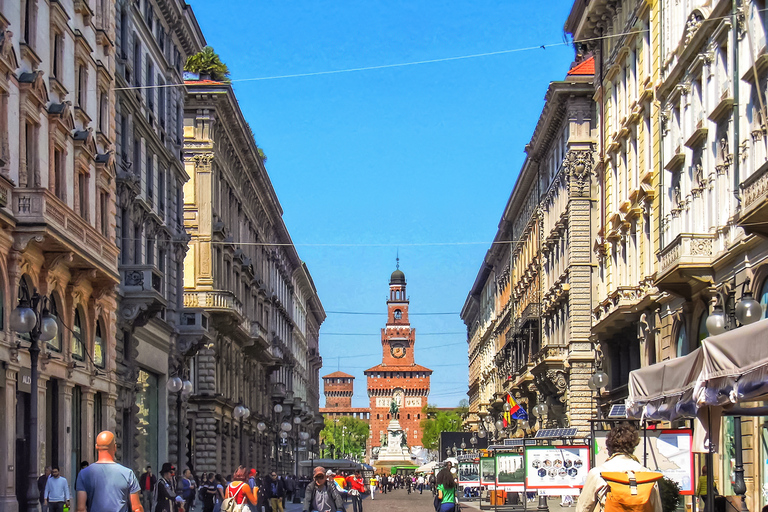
312, 444
33, 317
183, 390
241, 413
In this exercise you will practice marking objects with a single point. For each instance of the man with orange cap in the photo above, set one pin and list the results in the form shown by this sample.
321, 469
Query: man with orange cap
322, 495
107, 486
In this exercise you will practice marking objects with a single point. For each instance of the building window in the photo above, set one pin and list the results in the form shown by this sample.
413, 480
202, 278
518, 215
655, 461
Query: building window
124, 237
81, 86
150, 177
98, 347
28, 179
150, 86
78, 347
103, 125
681, 342
136, 154
82, 195
55, 343
146, 420
136, 61
398, 314
161, 191
161, 91
703, 331
764, 298
104, 213
59, 183
28, 22
57, 54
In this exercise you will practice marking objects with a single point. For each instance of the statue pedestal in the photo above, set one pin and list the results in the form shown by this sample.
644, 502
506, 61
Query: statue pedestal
393, 454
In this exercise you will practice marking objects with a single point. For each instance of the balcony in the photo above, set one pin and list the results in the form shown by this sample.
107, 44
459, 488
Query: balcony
38, 212
193, 331
754, 206
225, 311
685, 265
142, 291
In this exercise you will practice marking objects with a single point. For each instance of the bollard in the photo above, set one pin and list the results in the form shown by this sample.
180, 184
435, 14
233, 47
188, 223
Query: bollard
543, 505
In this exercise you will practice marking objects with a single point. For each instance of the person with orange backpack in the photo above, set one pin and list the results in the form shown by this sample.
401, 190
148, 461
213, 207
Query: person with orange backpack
621, 484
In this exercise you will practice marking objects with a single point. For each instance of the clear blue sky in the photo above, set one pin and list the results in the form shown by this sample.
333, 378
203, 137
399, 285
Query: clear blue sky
399, 156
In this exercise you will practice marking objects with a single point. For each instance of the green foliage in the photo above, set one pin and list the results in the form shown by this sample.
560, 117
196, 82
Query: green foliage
436, 421
208, 62
346, 435
670, 495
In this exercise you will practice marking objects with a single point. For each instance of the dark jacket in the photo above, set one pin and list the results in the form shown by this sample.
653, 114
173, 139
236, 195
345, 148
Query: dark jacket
165, 497
274, 488
309, 496
152, 482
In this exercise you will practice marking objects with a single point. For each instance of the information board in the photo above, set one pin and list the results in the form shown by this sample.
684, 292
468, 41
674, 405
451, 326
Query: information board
556, 467
488, 472
510, 471
469, 474
668, 451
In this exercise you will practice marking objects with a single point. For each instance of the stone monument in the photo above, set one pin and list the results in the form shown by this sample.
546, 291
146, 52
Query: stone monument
395, 452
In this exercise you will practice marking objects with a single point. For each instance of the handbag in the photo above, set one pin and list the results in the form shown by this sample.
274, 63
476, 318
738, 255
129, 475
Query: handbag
231, 505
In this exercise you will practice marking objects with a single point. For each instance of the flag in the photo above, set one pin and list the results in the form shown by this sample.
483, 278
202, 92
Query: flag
515, 412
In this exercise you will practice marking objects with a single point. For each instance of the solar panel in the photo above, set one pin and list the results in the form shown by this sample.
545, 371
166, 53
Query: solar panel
512, 442
559, 433
618, 411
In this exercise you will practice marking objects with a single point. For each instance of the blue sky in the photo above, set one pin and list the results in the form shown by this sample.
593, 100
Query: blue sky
380, 161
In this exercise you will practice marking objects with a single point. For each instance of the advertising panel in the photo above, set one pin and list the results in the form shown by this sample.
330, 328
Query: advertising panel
469, 474
488, 472
510, 471
562, 468
668, 451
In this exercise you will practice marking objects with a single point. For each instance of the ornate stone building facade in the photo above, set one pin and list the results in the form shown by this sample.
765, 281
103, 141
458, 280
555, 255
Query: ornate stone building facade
528, 314
154, 334
244, 276
398, 377
624, 37
57, 205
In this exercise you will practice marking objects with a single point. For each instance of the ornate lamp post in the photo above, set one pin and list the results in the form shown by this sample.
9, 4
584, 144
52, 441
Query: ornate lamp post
33, 317
183, 390
241, 413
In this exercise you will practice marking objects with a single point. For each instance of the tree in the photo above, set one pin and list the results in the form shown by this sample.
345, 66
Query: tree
436, 421
208, 62
345, 435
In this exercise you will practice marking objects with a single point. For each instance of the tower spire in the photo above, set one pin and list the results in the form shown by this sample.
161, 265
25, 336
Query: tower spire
398, 259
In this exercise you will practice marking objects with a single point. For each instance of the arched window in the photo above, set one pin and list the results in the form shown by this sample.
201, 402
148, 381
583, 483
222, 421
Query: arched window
703, 331
98, 347
682, 340
398, 314
55, 343
764, 298
78, 348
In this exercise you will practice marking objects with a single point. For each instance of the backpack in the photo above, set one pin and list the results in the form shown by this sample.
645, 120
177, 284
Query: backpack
629, 491
231, 505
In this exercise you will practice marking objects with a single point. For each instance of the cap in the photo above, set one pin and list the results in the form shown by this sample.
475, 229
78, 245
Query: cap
319, 470
329, 472
167, 468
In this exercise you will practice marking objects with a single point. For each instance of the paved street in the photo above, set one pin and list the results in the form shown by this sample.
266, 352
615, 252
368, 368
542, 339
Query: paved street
396, 501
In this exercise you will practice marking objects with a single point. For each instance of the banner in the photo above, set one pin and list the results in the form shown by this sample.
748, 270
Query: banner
556, 467
469, 474
488, 472
668, 451
510, 471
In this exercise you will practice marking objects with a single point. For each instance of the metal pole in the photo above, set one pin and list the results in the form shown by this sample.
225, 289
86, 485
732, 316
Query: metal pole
739, 487
178, 431
33, 494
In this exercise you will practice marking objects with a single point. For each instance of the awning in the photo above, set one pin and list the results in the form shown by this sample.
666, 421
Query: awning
665, 391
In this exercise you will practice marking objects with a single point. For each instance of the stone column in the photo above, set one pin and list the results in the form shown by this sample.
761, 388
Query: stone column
87, 438
8, 440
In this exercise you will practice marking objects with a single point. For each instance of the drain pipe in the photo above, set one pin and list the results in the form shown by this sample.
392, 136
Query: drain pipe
736, 120
661, 141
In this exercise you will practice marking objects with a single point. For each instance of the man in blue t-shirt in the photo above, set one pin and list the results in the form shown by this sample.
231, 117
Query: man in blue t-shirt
107, 486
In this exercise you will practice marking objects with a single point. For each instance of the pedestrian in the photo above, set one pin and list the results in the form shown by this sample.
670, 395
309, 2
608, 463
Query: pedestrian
408, 483
701, 489
275, 492
165, 498
188, 486
290, 486
42, 480
356, 486
147, 482
620, 442
446, 490
56, 491
322, 495
107, 485
239, 490
374, 482
208, 493
220, 485
420, 484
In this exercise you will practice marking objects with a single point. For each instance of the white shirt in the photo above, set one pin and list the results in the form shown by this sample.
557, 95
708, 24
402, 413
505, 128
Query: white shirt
589, 500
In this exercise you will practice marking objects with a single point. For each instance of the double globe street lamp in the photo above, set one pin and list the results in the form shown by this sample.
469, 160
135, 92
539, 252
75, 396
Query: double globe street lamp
183, 390
32, 318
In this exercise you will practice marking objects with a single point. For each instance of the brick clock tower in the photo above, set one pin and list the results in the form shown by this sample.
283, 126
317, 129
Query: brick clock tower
398, 376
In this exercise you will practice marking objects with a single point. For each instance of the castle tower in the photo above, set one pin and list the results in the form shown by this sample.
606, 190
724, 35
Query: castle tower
338, 388
398, 377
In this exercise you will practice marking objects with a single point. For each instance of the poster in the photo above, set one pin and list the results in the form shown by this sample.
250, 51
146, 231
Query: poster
665, 450
556, 467
488, 472
510, 471
469, 474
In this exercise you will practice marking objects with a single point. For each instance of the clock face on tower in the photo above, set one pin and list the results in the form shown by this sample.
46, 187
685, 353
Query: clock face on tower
397, 351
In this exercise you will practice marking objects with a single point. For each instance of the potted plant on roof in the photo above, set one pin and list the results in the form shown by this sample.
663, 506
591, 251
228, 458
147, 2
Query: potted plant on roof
208, 65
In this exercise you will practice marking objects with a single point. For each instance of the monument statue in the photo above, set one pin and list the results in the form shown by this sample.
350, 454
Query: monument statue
393, 409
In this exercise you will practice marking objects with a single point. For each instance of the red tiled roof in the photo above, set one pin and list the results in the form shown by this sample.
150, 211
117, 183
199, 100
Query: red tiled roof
586, 67
339, 375
386, 368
